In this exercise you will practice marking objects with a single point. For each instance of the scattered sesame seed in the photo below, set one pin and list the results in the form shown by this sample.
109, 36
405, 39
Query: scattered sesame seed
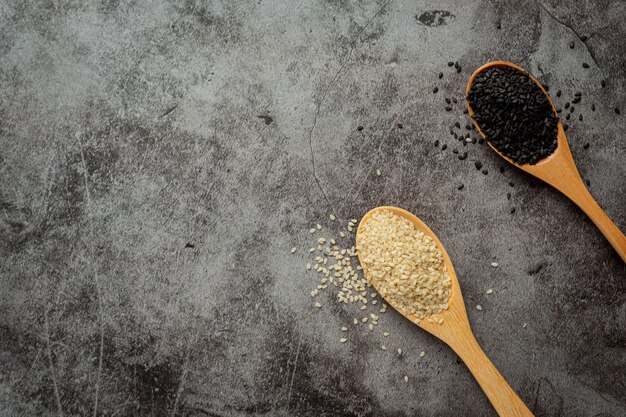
356, 321
383, 347
294, 249
344, 329
422, 354
332, 217
479, 307
321, 240
399, 352
343, 340
386, 334
308, 266
319, 226
342, 234
370, 326
312, 231
524, 325
406, 379
378, 172
318, 305
490, 291
364, 319
494, 264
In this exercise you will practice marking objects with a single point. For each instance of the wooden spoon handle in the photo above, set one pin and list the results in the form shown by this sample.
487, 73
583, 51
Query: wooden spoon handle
502, 397
583, 199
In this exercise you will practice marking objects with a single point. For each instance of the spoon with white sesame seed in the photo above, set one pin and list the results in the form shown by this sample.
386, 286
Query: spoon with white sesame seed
449, 324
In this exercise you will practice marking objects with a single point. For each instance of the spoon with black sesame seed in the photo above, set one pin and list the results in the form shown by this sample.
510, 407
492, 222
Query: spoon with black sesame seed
409, 267
514, 113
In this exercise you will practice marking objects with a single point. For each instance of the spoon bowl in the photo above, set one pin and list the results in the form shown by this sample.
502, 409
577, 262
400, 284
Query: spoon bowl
455, 329
558, 169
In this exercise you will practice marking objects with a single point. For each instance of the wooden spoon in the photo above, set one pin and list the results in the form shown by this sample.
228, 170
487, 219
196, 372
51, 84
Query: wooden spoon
559, 169
455, 330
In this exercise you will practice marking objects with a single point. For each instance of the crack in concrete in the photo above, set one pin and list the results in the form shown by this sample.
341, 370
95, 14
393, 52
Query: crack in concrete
321, 101
591, 54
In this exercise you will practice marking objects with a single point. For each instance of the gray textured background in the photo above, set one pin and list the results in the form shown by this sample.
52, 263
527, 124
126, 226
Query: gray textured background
130, 130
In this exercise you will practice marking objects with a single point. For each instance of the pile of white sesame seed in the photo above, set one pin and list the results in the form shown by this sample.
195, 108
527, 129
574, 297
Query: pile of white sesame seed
404, 265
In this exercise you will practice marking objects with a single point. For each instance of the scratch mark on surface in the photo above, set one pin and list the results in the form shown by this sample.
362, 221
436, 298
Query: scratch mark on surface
591, 54
96, 281
183, 377
321, 101
55, 386
169, 110
293, 374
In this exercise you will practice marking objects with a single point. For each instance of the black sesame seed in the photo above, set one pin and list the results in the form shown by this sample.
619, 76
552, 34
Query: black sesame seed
576, 100
450, 63
501, 169
513, 210
580, 117
593, 107
454, 100
448, 108
511, 184
578, 94
571, 109
437, 142
586, 145
508, 196
603, 83
565, 127
478, 164
567, 117
359, 128
588, 183
460, 187
444, 147
514, 114
455, 151
468, 127
485, 172
440, 75
616, 110
566, 105
465, 111
462, 157
457, 124
559, 110
585, 65
571, 45
498, 25
447, 100
583, 38
558, 93
458, 68
399, 125
435, 90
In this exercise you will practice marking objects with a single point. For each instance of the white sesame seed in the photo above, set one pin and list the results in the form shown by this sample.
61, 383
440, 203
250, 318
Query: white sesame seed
312, 231
378, 172
383, 347
318, 305
308, 266
422, 354
344, 329
364, 319
294, 249
332, 241
370, 326
490, 291
363, 307
524, 325
406, 379
319, 226
311, 250
342, 234
386, 334
343, 340
356, 321
479, 307
494, 264
321, 240
355, 221
399, 352
332, 217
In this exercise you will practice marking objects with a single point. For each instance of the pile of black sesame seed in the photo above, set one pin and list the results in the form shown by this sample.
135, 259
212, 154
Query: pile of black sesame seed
514, 114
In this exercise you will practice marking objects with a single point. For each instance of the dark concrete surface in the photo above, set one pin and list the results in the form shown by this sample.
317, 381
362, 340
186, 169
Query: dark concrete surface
159, 159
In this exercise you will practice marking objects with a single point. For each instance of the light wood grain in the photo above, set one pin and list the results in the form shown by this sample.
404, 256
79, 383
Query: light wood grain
559, 170
456, 332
